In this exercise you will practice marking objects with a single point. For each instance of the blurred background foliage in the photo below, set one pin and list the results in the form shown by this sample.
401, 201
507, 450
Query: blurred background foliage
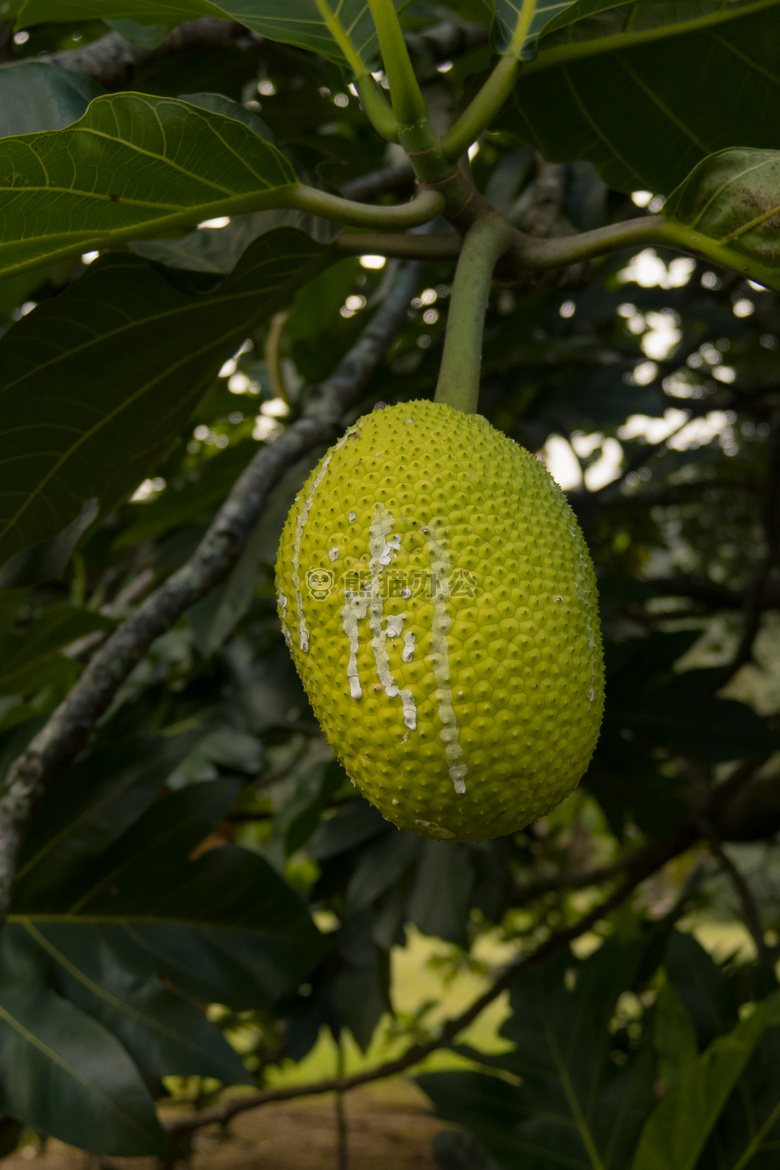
204, 901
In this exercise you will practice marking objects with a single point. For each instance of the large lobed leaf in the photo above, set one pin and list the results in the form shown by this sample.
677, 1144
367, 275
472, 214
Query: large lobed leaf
341, 30
729, 208
35, 95
98, 381
133, 165
569, 1104
520, 24
114, 936
645, 91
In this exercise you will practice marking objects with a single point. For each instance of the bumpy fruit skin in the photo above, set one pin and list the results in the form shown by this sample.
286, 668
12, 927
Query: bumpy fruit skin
440, 605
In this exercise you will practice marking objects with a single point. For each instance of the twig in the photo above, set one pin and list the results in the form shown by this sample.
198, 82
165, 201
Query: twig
68, 727
749, 908
342, 1146
770, 515
449, 1030
379, 182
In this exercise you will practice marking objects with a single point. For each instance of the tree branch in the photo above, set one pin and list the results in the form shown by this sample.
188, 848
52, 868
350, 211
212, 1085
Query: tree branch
749, 908
111, 59
449, 1030
441, 246
67, 728
766, 570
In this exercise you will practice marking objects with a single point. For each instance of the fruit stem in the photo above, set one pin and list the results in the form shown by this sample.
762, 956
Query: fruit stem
484, 244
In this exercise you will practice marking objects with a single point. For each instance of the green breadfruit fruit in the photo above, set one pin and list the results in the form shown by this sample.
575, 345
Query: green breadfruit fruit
440, 605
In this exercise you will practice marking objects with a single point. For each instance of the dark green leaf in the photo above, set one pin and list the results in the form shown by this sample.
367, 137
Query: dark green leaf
453, 1150
47, 560
127, 355
191, 501
342, 32
708, 997
355, 823
29, 661
361, 990
677, 1131
682, 712
35, 95
731, 203
674, 1038
317, 304
748, 1129
519, 25
92, 804
569, 1104
380, 867
145, 36
61, 1071
69, 190
615, 88
163, 1033
219, 104
441, 895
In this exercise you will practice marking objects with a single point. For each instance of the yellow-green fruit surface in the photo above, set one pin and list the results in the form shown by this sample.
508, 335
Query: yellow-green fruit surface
440, 604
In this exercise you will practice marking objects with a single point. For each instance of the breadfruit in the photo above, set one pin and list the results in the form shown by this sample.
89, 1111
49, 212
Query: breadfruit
440, 604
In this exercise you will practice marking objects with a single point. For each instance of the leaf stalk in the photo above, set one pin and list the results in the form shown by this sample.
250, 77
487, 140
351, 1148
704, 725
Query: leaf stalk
376, 107
485, 243
407, 100
481, 111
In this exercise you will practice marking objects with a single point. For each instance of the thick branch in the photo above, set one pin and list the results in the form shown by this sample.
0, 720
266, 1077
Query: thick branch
111, 59
68, 727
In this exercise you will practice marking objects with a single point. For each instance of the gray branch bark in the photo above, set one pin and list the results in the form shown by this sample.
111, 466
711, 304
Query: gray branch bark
68, 728
111, 59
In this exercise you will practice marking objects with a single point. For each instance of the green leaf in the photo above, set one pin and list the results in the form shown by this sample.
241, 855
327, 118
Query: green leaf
97, 799
145, 36
440, 899
569, 1104
47, 560
224, 928
709, 998
30, 661
748, 1129
616, 88
133, 165
683, 713
163, 1033
361, 989
353, 825
340, 30
219, 104
62, 1072
674, 1038
130, 935
35, 95
453, 1150
98, 381
520, 24
676, 1132
190, 502
380, 867
729, 208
